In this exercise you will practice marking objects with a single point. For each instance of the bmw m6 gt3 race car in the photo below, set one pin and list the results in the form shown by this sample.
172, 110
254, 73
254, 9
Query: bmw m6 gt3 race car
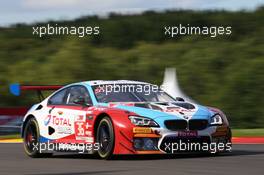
121, 117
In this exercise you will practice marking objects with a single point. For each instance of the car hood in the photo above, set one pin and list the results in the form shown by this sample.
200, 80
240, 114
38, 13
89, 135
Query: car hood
167, 111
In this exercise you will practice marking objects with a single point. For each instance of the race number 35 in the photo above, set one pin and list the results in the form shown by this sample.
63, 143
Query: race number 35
80, 128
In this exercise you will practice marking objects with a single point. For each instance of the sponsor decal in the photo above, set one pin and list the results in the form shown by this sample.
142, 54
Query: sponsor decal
112, 105
64, 130
58, 121
88, 133
89, 112
80, 118
82, 131
187, 134
87, 139
97, 108
47, 120
178, 109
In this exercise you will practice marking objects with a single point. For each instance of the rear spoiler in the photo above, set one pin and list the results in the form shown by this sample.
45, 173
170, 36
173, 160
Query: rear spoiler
16, 89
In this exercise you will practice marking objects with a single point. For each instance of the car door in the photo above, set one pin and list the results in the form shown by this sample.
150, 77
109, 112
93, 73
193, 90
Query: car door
76, 113
58, 127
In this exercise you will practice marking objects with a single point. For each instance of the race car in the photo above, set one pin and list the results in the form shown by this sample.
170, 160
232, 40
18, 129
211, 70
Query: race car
120, 117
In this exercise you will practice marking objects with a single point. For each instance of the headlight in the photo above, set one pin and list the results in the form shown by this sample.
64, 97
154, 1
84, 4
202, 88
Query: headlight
143, 121
216, 120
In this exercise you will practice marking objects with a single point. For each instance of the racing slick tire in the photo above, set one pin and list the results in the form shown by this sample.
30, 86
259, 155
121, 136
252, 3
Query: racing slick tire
106, 138
31, 140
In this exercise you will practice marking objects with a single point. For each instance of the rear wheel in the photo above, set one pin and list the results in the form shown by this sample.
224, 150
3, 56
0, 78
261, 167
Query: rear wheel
31, 139
106, 138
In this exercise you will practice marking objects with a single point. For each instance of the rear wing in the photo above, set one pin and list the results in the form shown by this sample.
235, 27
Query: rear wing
16, 89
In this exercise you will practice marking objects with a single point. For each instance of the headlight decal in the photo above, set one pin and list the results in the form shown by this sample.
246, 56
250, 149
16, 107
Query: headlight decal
143, 121
216, 120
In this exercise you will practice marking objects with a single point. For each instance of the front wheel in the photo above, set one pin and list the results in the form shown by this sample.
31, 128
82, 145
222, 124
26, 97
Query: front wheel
106, 138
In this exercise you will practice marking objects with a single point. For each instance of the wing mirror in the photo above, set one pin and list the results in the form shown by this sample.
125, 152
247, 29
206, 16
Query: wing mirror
180, 99
81, 101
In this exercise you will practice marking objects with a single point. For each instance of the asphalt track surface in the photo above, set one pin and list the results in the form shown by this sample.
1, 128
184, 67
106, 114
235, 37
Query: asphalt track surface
244, 159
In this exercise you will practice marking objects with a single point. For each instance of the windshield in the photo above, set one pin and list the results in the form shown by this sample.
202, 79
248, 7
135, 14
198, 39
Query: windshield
130, 93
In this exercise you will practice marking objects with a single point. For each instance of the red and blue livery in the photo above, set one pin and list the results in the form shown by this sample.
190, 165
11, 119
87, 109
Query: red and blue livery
119, 117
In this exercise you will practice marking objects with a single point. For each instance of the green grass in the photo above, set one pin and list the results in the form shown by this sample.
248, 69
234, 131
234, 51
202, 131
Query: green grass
14, 136
248, 132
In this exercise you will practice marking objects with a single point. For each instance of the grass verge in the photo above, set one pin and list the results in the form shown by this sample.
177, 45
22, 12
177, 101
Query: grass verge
248, 132
14, 136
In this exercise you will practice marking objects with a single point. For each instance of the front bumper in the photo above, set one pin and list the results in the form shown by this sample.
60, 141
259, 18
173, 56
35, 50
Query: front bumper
163, 141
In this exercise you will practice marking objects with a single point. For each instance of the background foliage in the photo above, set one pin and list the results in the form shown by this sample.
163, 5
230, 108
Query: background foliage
226, 71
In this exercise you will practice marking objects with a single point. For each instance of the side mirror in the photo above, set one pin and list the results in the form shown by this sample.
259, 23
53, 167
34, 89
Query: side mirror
180, 99
80, 101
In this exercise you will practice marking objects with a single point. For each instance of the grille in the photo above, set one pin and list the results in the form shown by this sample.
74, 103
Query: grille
175, 125
197, 124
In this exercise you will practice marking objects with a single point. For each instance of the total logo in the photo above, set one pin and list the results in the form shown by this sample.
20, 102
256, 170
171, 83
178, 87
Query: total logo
59, 121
